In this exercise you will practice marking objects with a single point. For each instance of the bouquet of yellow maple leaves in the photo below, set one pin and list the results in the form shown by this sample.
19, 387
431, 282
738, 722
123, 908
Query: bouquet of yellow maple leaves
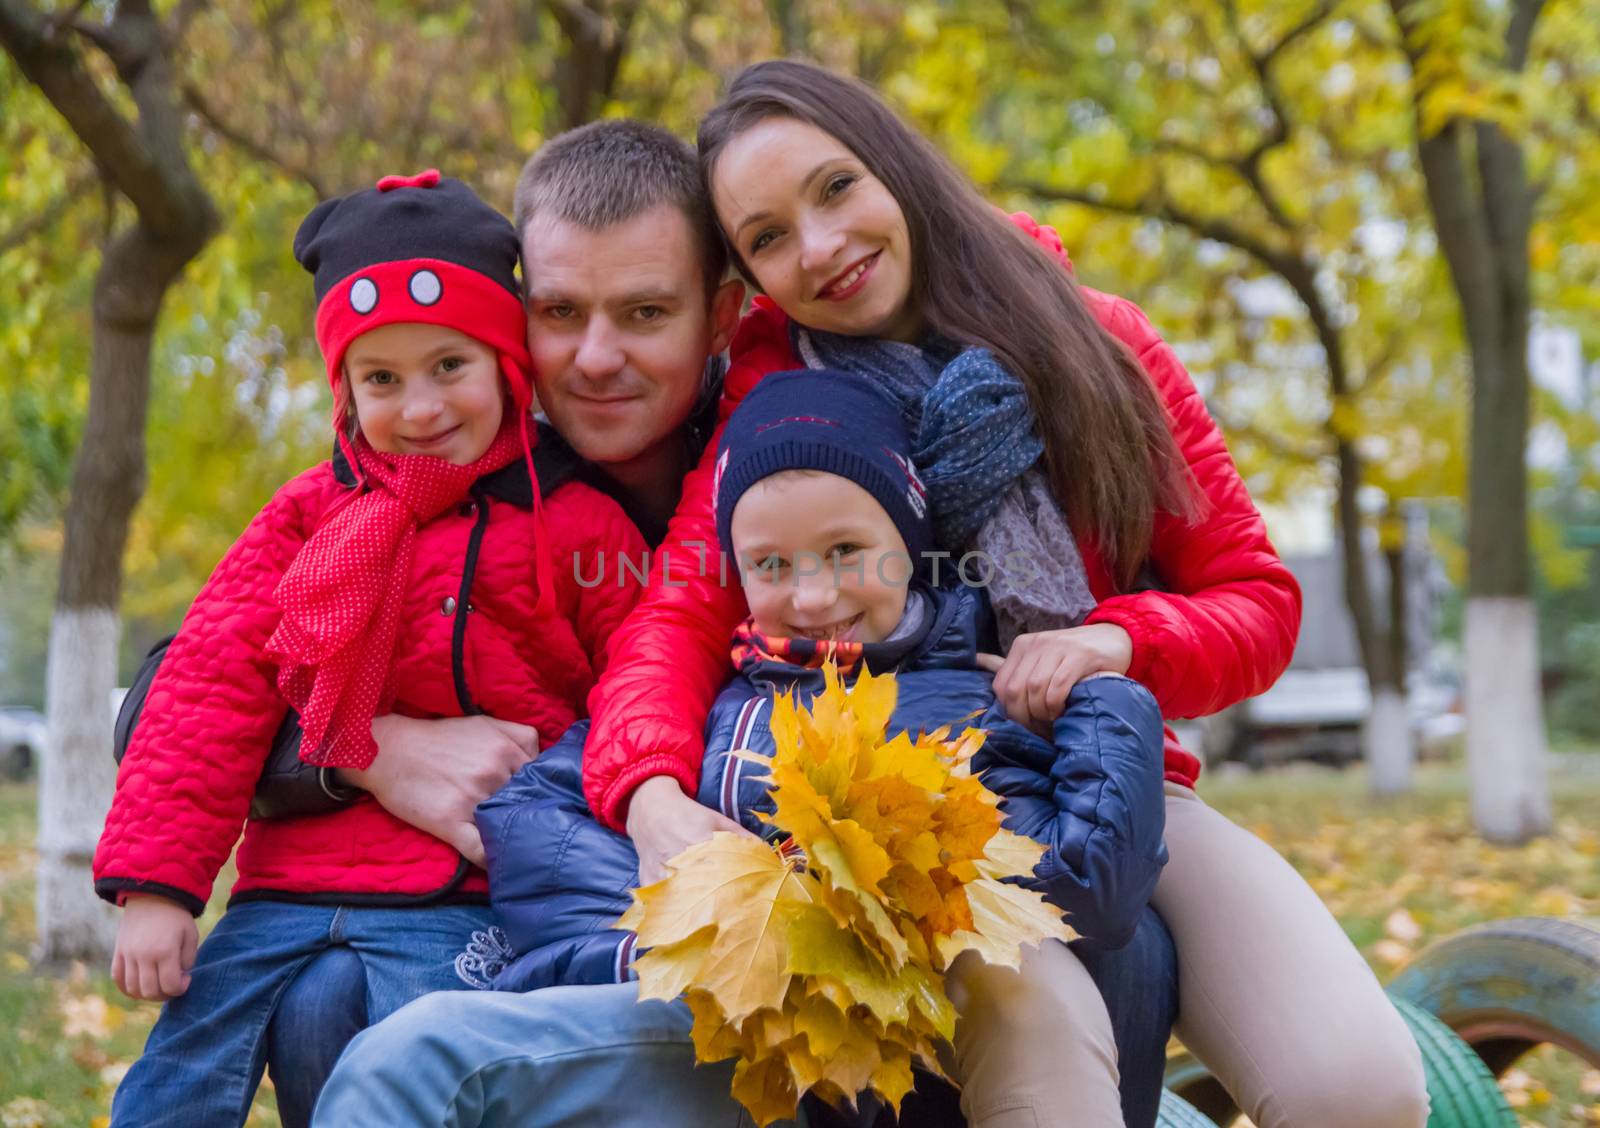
819, 965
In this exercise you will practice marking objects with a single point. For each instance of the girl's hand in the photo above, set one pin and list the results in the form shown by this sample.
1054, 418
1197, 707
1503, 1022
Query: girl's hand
156, 942
1032, 682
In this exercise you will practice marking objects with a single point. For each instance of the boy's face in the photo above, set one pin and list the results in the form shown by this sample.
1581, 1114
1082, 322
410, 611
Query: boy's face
425, 389
820, 558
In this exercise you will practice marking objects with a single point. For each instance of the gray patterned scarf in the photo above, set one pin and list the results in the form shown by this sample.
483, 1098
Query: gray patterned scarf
973, 440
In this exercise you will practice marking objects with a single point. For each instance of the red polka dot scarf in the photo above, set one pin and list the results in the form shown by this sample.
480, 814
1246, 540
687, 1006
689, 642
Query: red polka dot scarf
341, 597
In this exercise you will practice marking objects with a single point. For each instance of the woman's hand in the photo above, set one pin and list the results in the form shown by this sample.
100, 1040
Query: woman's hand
433, 774
156, 942
1032, 682
664, 822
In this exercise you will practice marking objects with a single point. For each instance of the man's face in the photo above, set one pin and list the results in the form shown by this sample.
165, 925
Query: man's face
620, 329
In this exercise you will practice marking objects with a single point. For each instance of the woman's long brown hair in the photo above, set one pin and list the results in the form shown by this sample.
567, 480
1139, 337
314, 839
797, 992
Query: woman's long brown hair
978, 279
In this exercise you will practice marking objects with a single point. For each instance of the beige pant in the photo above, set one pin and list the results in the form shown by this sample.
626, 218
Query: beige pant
1273, 996
1033, 1047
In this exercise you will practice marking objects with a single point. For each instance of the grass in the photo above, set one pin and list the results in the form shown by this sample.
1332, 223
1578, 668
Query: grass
1397, 874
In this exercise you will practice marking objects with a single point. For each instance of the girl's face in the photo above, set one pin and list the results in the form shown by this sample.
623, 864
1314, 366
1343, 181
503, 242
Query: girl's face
822, 236
820, 558
425, 389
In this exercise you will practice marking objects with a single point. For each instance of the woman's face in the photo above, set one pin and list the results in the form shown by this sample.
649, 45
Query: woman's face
822, 236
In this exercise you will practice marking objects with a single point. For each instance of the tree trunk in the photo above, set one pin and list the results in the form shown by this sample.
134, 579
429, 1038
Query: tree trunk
1505, 726
1387, 745
76, 777
1483, 211
1391, 747
145, 160
1390, 750
597, 41
108, 478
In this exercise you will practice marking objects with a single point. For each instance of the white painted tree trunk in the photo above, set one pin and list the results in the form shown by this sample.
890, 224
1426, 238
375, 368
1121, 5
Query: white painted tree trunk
1505, 720
76, 780
1390, 750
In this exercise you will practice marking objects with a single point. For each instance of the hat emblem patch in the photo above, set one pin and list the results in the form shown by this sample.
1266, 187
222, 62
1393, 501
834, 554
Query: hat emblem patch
425, 287
363, 295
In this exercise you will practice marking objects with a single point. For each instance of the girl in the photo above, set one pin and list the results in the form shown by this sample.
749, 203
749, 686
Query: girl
413, 573
1059, 432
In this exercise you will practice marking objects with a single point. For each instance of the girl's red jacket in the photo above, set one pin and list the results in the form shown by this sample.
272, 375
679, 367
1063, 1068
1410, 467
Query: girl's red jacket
1222, 627
468, 641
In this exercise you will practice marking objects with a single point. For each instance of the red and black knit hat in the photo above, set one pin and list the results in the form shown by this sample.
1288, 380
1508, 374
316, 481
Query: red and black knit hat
416, 249
429, 250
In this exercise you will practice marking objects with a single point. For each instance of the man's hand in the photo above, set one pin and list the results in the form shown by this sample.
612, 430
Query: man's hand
1032, 682
664, 822
432, 774
156, 942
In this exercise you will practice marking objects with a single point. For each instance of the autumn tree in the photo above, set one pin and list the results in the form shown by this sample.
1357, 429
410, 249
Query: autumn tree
1225, 125
93, 73
1467, 115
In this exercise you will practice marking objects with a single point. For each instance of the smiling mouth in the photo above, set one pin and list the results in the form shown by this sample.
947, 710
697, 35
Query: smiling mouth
845, 284
833, 632
433, 440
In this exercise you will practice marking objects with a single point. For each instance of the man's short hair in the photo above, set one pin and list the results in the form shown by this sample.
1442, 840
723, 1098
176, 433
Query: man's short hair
609, 171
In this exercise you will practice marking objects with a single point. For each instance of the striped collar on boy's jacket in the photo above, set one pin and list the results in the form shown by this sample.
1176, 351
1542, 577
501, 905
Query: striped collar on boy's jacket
753, 650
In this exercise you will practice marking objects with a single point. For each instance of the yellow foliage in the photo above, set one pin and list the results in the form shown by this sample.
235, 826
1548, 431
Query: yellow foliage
819, 966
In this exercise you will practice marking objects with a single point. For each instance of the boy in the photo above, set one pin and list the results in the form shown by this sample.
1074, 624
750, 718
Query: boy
818, 499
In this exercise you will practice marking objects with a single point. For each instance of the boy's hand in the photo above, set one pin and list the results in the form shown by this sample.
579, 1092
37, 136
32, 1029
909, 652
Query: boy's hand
1032, 682
433, 774
664, 822
156, 942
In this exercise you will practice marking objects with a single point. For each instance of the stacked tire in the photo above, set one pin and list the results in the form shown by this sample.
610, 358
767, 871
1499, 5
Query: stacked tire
1510, 985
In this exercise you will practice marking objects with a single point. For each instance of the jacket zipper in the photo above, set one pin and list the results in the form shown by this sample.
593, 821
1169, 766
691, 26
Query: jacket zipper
458, 637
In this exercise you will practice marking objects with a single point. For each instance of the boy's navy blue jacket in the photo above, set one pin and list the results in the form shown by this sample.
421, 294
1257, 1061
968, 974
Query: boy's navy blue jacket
559, 879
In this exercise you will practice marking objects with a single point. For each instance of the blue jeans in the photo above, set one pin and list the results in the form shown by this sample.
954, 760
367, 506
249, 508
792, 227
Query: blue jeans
324, 1006
204, 1058
569, 1056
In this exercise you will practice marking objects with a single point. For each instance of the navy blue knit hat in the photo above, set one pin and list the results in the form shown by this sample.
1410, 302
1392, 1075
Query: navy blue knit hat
823, 419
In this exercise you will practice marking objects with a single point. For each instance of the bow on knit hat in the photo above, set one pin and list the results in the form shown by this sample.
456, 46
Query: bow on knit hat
417, 249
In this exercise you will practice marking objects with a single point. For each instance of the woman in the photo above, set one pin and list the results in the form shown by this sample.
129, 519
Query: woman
863, 238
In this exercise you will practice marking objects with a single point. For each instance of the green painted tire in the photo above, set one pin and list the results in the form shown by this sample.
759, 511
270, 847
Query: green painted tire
1510, 985
1179, 1113
1461, 1091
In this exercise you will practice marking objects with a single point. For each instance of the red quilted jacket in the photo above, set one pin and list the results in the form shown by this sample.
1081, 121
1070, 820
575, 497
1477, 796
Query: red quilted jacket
1222, 629
184, 787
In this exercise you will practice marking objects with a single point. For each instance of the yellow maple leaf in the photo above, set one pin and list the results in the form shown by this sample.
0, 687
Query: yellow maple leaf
715, 1038
765, 1087
1004, 917
732, 884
